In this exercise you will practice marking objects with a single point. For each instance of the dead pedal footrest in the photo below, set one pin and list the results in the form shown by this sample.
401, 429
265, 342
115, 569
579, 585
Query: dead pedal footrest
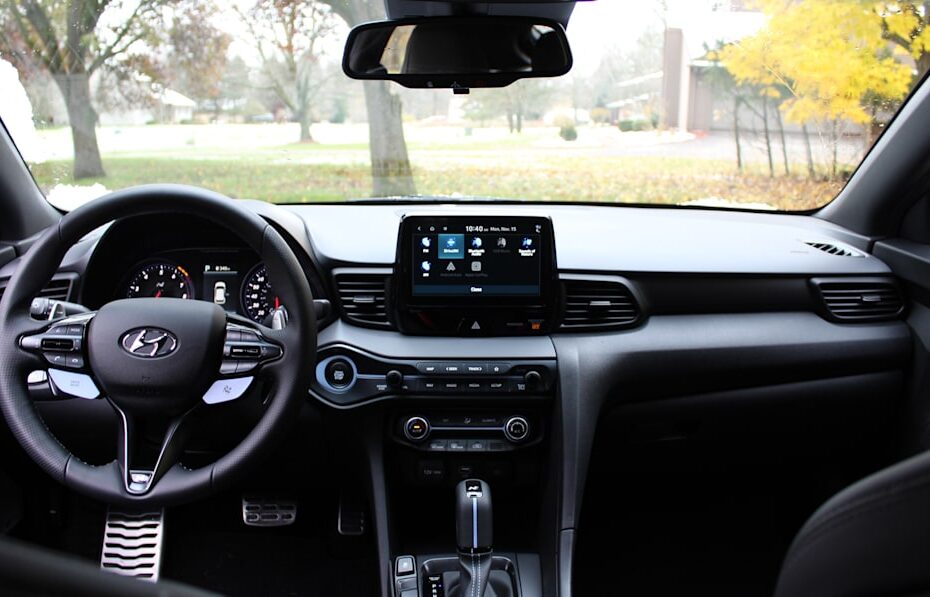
132, 543
260, 511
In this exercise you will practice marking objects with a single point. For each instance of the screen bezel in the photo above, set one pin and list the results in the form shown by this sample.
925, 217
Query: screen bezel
404, 265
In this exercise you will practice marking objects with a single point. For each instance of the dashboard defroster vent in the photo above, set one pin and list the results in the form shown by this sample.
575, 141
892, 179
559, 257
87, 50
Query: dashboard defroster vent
832, 248
860, 299
598, 303
363, 296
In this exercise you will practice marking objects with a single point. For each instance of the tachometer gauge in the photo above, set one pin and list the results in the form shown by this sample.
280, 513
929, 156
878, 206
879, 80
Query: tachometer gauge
258, 297
160, 280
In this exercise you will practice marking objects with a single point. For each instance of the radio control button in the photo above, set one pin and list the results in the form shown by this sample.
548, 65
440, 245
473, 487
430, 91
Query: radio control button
475, 368
451, 368
428, 368
498, 368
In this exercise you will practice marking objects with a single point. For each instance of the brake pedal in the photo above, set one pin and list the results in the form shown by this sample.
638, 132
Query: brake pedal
268, 512
132, 544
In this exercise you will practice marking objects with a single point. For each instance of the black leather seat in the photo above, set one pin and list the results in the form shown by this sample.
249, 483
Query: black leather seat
872, 538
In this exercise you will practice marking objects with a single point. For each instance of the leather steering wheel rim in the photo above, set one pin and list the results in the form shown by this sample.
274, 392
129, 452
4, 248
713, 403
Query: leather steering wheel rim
289, 375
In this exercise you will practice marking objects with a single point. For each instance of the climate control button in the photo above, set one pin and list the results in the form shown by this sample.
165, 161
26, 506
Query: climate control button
416, 429
516, 429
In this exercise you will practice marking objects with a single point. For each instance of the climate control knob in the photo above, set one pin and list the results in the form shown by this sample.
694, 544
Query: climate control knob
516, 429
416, 429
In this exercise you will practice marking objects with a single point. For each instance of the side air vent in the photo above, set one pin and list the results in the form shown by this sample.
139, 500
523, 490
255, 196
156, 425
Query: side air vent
598, 304
834, 249
860, 299
363, 297
58, 289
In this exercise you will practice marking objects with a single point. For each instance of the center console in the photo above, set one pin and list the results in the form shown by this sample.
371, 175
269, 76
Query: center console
462, 389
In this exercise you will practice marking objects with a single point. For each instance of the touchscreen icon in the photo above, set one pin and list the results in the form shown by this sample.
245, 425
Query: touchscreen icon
527, 242
502, 242
476, 242
425, 266
426, 242
476, 266
450, 267
452, 246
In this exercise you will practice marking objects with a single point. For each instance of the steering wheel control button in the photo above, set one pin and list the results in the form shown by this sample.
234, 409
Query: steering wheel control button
73, 384
516, 429
339, 373
225, 390
416, 429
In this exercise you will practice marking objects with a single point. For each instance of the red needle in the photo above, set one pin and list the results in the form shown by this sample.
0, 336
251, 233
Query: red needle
158, 294
277, 302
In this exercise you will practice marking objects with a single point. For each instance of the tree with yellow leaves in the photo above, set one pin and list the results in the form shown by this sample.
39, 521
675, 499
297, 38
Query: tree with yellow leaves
831, 59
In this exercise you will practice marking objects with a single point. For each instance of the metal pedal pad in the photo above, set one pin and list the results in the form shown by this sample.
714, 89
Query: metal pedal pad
132, 544
268, 512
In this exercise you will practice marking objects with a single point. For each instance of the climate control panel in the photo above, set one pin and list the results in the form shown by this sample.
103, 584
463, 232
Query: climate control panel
467, 431
346, 376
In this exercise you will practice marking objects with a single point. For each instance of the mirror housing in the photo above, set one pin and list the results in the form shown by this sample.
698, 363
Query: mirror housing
457, 53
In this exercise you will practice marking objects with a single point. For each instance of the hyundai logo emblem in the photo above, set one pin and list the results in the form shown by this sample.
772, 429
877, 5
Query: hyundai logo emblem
149, 343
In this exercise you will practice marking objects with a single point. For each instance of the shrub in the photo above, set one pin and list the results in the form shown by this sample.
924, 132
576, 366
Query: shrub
569, 133
600, 115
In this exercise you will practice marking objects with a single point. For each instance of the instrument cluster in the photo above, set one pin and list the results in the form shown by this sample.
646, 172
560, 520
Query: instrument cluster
230, 278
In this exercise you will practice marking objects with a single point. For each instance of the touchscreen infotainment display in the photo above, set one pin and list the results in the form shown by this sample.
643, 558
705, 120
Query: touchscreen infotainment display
462, 258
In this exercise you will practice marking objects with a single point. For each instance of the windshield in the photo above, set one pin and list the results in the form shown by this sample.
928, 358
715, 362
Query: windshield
766, 105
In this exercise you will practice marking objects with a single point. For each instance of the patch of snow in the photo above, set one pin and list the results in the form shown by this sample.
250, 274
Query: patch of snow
68, 197
16, 114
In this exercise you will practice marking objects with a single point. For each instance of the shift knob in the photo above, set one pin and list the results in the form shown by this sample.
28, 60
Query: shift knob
473, 519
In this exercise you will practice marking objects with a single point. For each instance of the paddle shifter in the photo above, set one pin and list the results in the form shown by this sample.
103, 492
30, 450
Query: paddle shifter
474, 535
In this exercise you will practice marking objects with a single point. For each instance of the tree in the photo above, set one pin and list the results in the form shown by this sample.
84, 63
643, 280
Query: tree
907, 24
827, 57
197, 58
390, 162
524, 99
65, 37
288, 35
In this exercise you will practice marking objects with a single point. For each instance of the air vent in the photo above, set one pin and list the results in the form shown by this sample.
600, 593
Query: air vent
598, 304
363, 298
58, 289
834, 249
863, 299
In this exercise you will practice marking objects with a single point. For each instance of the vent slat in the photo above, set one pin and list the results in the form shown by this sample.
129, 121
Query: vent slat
598, 305
831, 248
363, 298
58, 289
868, 300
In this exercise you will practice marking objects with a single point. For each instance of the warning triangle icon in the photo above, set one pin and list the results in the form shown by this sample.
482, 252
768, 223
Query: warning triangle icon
476, 326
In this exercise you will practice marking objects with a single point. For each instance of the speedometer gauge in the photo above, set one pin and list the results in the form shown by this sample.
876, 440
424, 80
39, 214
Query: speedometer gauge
160, 279
258, 297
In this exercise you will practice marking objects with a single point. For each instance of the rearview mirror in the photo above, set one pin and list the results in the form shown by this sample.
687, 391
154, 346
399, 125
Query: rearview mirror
457, 52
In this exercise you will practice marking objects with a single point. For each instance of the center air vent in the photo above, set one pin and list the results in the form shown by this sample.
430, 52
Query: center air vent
598, 304
860, 299
833, 248
363, 297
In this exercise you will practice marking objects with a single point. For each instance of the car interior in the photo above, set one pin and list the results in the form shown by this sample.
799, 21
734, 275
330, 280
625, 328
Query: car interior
434, 396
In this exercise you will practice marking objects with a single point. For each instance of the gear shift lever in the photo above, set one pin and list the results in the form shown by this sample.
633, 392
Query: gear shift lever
474, 536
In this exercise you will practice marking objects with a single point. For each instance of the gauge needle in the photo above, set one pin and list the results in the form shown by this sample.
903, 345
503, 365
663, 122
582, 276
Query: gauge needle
158, 294
277, 302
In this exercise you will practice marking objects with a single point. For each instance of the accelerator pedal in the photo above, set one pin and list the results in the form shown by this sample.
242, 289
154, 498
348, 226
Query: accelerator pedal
132, 543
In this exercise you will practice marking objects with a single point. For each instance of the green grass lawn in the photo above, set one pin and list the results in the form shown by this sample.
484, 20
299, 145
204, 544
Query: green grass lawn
608, 179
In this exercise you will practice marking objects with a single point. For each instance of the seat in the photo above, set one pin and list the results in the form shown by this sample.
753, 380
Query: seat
872, 538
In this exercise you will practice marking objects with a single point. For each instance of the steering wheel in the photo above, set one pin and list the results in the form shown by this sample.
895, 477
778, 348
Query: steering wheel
155, 358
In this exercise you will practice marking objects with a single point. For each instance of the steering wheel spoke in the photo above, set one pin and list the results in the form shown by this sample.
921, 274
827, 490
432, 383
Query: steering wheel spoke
139, 478
60, 347
246, 351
